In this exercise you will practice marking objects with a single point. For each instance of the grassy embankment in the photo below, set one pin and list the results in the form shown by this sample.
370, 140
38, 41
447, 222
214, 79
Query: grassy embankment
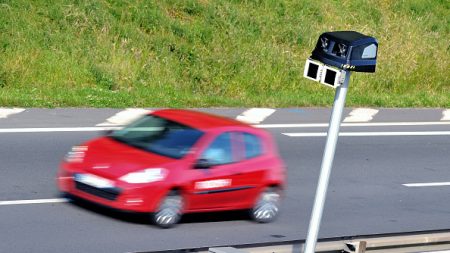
200, 53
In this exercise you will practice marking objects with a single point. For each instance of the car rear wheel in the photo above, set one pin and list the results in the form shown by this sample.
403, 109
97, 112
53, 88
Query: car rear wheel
169, 211
267, 207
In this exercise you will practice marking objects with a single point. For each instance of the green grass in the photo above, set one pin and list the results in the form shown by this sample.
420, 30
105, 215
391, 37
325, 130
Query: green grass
201, 53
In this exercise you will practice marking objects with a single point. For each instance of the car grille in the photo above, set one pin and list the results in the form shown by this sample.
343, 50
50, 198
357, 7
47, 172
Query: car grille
106, 193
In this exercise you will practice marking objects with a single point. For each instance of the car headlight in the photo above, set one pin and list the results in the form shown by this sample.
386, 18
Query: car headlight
145, 176
76, 154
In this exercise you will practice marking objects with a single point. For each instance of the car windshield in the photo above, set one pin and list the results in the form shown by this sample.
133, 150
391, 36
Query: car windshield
158, 135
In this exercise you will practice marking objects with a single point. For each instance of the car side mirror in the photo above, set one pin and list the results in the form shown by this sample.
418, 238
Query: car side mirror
106, 132
203, 164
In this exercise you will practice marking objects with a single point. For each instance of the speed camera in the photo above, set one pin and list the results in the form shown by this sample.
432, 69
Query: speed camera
347, 50
339, 52
335, 57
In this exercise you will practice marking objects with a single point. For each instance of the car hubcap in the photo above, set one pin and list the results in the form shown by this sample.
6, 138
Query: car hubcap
170, 210
267, 207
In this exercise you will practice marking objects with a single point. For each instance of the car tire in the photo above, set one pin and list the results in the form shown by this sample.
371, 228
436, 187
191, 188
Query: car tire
267, 206
169, 211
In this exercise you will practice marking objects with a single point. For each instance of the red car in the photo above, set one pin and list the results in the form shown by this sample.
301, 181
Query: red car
171, 162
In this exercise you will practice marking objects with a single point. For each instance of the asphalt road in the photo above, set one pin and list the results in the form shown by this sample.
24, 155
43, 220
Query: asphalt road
366, 193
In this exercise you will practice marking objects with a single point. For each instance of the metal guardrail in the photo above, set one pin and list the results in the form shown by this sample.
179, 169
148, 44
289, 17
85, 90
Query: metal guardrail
412, 242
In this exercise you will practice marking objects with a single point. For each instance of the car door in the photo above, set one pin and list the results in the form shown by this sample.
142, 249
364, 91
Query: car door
213, 186
252, 167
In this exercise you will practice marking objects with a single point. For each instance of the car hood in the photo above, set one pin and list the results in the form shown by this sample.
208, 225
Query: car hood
112, 159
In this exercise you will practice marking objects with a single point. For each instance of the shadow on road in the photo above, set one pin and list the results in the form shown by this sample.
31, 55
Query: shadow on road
143, 218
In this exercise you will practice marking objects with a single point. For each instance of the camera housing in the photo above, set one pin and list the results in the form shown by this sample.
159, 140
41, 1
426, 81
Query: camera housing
347, 50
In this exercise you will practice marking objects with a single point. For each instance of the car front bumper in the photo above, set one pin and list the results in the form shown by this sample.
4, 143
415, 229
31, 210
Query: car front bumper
122, 196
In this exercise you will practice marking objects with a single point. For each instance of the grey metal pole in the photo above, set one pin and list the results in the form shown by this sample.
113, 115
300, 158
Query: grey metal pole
327, 162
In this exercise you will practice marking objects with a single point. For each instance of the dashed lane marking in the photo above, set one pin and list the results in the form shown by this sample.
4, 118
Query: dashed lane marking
5, 112
124, 117
446, 115
361, 115
433, 184
255, 115
32, 201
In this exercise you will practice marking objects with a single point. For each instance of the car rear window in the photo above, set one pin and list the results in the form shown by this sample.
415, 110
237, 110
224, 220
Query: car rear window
158, 135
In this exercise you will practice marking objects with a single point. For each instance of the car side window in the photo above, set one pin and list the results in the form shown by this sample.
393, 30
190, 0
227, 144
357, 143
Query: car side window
219, 151
253, 146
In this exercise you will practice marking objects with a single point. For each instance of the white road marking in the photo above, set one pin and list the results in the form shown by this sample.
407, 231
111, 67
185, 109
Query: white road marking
357, 134
124, 117
268, 126
427, 184
255, 115
55, 129
5, 112
446, 115
310, 125
306, 134
32, 201
361, 115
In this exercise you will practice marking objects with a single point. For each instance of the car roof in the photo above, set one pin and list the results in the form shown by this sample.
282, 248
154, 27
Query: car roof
199, 120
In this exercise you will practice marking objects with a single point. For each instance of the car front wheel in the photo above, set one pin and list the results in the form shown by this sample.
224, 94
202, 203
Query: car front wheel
169, 211
267, 206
